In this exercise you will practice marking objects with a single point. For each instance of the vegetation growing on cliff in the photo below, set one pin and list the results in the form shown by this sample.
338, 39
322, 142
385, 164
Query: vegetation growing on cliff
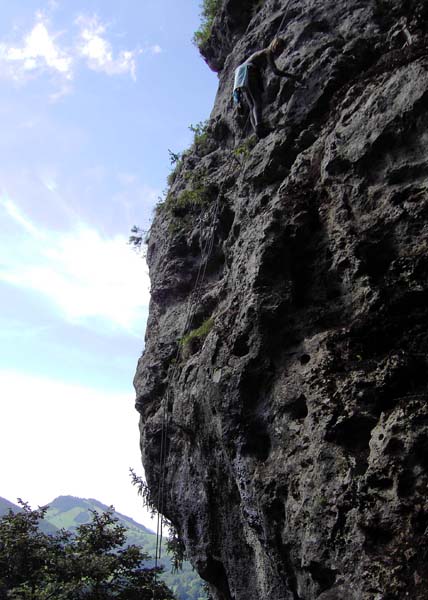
176, 160
183, 206
137, 238
209, 9
174, 544
198, 333
200, 133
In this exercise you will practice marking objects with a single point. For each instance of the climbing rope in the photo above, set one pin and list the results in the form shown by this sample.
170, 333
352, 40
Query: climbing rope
194, 298
192, 303
283, 18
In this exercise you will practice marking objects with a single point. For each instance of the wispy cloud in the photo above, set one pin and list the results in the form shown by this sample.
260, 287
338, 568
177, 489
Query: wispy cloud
42, 50
14, 212
38, 52
86, 276
98, 51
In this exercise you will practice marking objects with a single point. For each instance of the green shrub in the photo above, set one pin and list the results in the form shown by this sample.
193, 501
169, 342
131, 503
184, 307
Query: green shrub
200, 133
183, 207
94, 562
174, 157
186, 202
175, 544
199, 333
176, 160
171, 177
191, 198
138, 238
243, 151
209, 9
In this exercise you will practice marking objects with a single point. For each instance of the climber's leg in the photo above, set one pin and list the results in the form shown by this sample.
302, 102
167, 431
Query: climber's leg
255, 92
251, 107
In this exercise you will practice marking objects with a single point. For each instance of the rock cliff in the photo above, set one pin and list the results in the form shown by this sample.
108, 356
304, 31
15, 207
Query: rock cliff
297, 439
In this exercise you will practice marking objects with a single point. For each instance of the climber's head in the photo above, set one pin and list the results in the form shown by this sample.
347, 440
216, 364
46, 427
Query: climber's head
277, 46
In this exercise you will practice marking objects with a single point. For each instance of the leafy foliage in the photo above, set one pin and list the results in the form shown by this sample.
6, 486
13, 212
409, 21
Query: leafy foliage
200, 133
198, 333
209, 9
70, 512
174, 157
183, 207
242, 152
176, 160
144, 492
175, 544
137, 238
188, 200
92, 564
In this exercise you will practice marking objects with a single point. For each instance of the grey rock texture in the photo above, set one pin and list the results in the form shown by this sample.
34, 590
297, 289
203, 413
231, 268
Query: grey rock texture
297, 463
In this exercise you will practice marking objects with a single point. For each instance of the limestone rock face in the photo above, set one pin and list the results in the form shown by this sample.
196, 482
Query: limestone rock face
297, 438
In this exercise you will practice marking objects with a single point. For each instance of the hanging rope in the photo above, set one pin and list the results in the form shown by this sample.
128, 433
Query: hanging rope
193, 301
192, 304
283, 18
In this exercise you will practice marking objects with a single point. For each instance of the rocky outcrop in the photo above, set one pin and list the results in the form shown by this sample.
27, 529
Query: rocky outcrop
297, 464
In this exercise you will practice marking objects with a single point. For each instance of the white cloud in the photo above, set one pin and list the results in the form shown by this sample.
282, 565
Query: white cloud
14, 212
38, 52
98, 51
64, 438
88, 277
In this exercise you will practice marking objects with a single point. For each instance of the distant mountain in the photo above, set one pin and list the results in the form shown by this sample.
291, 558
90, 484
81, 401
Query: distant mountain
68, 512
6, 505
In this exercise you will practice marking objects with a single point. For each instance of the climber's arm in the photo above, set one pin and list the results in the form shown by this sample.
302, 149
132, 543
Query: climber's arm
279, 72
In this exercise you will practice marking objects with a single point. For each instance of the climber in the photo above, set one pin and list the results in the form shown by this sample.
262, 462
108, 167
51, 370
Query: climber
248, 82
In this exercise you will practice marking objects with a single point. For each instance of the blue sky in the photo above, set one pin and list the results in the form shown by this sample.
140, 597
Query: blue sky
94, 93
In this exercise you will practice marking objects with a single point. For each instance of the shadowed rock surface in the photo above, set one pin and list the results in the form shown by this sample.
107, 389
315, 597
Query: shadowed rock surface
297, 464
